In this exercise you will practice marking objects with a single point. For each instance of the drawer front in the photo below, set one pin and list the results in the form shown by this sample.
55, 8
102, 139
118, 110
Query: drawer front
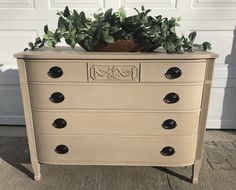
110, 71
116, 123
116, 150
177, 71
113, 72
56, 71
114, 96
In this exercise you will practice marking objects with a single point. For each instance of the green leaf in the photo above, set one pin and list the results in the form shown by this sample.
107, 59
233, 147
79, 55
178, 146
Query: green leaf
147, 11
105, 34
81, 36
49, 44
109, 39
178, 18
198, 46
46, 29
170, 47
62, 24
37, 41
172, 29
192, 36
177, 24
98, 16
206, 46
42, 44
89, 44
122, 14
50, 33
108, 14
71, 27
57, 35
66, 35
45, 37
75, 13
136, 10
142, 8
159, 17
91, 31
114, 29
82, 17
106, 25
60, 13
144, 35
31, 45
73, 42
66, 12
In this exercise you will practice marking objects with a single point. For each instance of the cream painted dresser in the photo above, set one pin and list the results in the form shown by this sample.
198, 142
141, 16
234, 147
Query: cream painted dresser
94, 108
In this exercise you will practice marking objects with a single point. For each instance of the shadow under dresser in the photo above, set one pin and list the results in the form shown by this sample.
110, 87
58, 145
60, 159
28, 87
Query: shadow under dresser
106, 108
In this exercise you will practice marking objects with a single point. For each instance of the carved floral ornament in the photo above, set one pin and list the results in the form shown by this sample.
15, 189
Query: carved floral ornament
114, 72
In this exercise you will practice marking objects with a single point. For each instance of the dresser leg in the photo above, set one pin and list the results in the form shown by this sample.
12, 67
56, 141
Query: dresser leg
196, 170
36, 169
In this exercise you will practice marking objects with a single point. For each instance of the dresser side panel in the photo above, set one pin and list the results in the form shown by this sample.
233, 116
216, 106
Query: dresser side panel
28, 118
204, 107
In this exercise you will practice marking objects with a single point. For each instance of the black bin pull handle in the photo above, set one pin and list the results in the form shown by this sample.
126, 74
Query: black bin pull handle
61, 149
59, 123
168, 151
169, 124
55, 72
173, 73
57, 97
171, 98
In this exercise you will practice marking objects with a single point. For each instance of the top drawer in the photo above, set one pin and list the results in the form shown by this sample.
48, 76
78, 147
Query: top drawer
56, 71
173, 71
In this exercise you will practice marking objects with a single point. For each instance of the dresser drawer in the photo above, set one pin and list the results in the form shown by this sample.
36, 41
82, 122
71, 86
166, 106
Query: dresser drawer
56, 71
116, 150
173, 71
115, 96
116, 123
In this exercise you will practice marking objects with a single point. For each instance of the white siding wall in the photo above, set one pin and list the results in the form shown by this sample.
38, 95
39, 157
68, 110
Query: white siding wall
214, 20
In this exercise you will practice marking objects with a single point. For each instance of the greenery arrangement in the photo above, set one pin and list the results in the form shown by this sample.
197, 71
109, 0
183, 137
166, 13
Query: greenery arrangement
148, 32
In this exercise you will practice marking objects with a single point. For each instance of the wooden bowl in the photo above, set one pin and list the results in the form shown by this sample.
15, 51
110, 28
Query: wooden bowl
117, 46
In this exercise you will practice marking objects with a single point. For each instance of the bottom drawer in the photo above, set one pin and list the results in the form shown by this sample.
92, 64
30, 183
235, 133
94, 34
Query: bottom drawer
104, 150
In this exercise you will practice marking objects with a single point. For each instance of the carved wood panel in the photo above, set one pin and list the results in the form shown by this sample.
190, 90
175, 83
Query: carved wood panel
114, 72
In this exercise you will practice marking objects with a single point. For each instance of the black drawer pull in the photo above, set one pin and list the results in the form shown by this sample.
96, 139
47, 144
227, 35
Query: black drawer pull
61, 149
59, 123
57, 97
168, 151
169, 124
171, 98
173, 73
55, 72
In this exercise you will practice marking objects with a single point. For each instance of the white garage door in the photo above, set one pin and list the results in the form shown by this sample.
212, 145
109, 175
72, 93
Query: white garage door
214, 20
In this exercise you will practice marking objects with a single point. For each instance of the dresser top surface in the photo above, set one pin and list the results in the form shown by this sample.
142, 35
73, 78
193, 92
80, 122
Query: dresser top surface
79, 53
